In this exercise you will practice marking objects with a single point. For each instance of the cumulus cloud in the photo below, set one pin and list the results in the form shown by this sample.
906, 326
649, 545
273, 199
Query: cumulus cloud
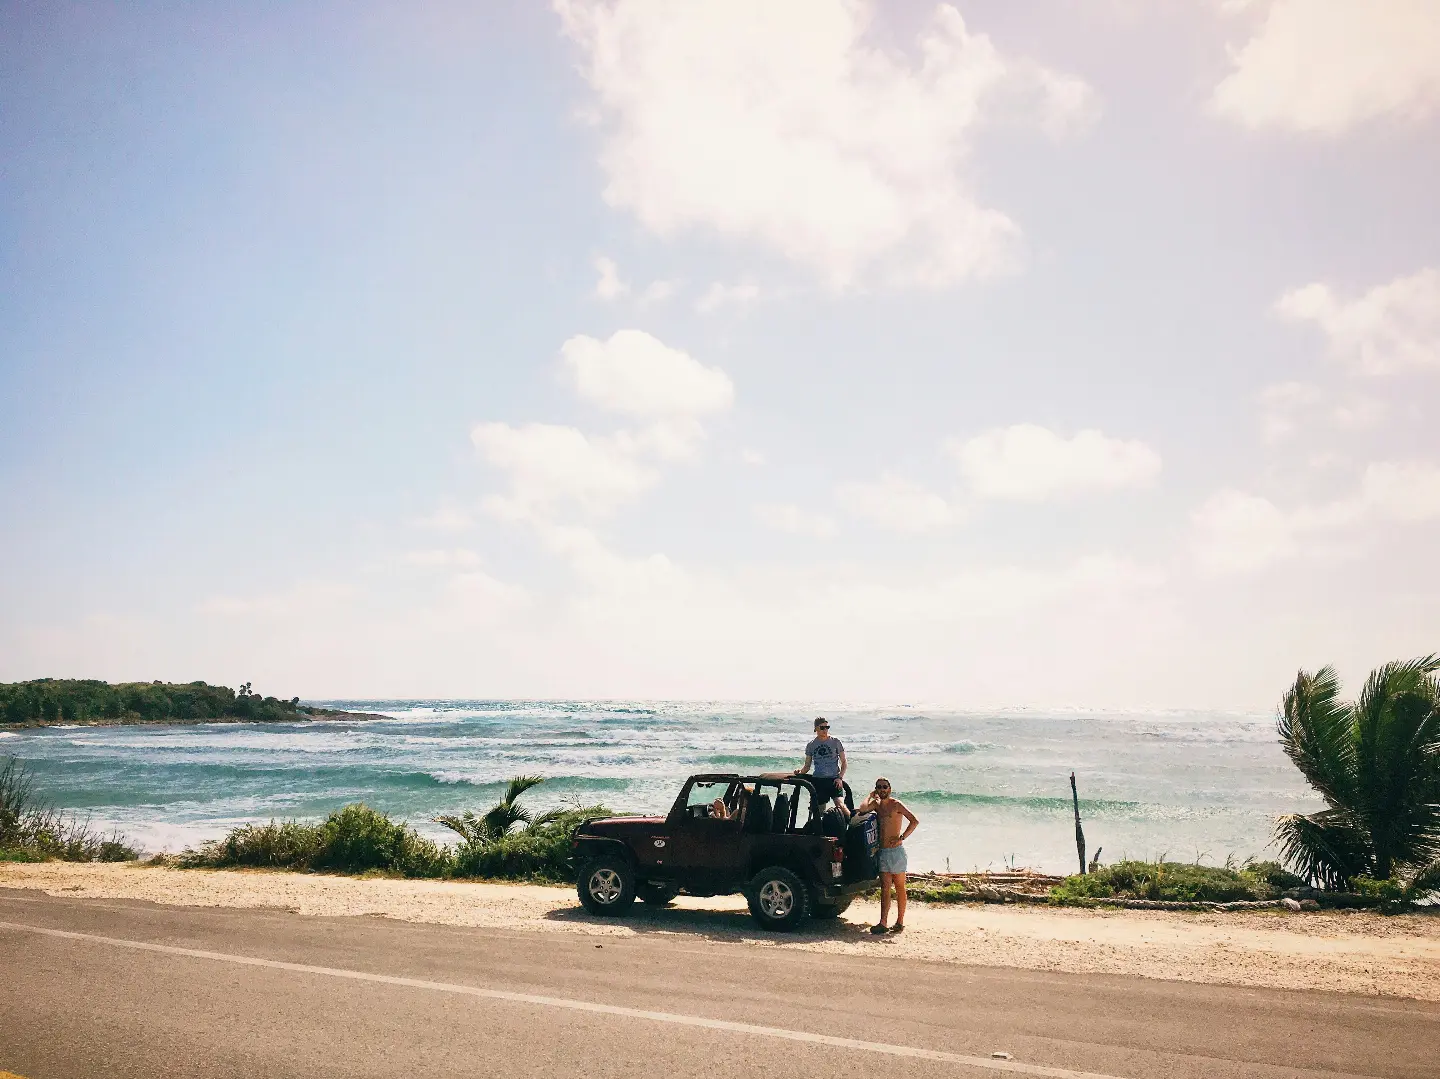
637, 374
608, 285
1029, 463
1324, 66
1287, 408
551, 466
785, 517
896, 504
1391, 328
554, 468
786, 126
1236, 531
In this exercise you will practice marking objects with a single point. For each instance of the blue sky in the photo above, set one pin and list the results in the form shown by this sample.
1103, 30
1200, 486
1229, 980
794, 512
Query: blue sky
626, 349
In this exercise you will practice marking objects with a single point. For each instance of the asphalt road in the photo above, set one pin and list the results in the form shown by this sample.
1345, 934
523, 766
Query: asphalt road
108, 988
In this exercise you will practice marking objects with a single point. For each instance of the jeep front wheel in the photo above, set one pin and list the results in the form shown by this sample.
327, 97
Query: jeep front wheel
606, 885
778, 898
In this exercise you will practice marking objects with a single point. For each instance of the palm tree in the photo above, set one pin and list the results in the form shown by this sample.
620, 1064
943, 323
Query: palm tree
501, 818
1376, 762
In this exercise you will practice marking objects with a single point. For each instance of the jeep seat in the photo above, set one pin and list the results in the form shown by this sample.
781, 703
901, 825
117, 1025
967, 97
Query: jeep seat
782, 812
758, 814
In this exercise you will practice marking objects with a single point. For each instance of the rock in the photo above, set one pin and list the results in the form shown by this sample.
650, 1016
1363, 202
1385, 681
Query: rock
1292, 904
1309, 904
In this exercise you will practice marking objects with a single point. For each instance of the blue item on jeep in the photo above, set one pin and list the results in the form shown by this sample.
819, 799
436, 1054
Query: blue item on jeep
862, 848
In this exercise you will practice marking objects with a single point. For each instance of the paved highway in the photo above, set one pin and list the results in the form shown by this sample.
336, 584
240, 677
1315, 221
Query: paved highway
112, 989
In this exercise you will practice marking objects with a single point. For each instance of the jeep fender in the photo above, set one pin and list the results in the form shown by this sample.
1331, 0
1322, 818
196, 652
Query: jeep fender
593, 846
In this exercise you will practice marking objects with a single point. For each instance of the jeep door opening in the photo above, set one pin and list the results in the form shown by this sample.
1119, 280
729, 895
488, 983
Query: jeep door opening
768, 837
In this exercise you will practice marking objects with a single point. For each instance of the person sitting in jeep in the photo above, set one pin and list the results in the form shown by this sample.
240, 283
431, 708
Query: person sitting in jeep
827, 756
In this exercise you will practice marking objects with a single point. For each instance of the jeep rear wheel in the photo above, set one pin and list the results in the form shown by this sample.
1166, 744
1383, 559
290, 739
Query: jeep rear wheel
656, 895
778, 898
606, 885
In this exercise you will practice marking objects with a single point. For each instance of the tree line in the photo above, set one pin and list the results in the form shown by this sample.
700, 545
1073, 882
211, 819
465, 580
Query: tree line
47, 701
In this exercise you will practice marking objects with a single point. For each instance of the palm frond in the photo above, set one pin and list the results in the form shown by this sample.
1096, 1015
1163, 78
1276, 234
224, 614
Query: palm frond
1424, 883
1316, 732
1325, 848
518, 786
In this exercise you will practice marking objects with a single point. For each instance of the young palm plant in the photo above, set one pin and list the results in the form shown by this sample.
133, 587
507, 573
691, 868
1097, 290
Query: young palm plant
498, 821
1376, 762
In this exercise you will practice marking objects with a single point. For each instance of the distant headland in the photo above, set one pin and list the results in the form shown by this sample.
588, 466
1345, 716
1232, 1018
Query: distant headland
47, 702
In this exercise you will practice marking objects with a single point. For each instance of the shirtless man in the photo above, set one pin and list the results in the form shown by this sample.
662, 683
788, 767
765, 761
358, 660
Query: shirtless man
891, 812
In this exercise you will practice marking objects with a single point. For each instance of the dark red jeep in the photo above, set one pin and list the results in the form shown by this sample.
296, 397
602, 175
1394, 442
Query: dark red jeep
766, 836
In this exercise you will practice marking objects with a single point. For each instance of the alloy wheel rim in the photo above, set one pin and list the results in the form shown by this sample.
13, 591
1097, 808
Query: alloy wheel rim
776, 898
605, 886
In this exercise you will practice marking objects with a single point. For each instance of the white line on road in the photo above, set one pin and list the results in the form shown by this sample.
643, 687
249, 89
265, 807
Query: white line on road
1015, 1067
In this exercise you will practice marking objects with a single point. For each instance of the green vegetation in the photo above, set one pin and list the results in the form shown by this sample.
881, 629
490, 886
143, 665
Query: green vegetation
48, 701
356, 839
1376, 763
507, 842
31, 830
1177, 882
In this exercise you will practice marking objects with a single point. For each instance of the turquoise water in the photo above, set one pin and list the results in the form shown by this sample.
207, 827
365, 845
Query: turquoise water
989, 787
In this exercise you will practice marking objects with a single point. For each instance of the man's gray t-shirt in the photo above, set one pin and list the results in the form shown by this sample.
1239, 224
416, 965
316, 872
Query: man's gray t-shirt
824, 754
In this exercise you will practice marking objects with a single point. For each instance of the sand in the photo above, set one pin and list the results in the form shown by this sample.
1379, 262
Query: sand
1352, 952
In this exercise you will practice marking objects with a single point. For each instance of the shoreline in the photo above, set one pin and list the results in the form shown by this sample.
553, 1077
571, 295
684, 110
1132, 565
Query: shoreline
326, 715
1334, 951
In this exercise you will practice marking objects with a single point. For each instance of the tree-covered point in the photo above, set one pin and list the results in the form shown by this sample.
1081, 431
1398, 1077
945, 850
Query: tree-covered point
69, 700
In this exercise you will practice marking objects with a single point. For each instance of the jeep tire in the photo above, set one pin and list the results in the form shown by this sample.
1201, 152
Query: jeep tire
778, 898
832, 910
656, 895
606, 885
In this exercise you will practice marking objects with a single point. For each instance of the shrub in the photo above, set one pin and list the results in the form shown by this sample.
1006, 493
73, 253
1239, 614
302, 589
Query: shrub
539, 853
1169, 881
355, 839
1272, 873
31, 830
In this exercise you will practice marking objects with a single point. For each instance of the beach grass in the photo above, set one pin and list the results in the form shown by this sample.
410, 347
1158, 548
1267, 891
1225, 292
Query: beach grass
32, 830
359, 839
1177, 882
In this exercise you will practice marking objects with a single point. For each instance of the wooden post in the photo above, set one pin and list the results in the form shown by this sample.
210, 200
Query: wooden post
1079, 832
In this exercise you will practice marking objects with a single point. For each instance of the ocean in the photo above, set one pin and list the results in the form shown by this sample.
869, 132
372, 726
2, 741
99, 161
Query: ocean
991, 788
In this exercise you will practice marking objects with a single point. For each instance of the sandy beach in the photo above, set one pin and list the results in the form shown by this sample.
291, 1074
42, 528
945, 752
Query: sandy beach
1351, 952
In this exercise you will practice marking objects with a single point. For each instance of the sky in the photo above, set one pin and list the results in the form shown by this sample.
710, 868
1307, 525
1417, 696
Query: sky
1083, 354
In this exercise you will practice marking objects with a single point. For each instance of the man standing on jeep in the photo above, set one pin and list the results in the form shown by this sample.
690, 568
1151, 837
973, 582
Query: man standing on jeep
827, 756
891, 811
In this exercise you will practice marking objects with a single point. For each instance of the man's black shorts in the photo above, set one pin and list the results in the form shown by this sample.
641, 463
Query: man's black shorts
828, 788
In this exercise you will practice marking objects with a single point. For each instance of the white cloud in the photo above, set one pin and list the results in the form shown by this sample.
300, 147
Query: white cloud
752, 457
720, 295
608, 285
657, 292
795, 520
1325, 66
1393, 327
1238, 532
1029, 463
1402, 491
550, 466
780, 124
636, 374
1287, 408
897, 504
